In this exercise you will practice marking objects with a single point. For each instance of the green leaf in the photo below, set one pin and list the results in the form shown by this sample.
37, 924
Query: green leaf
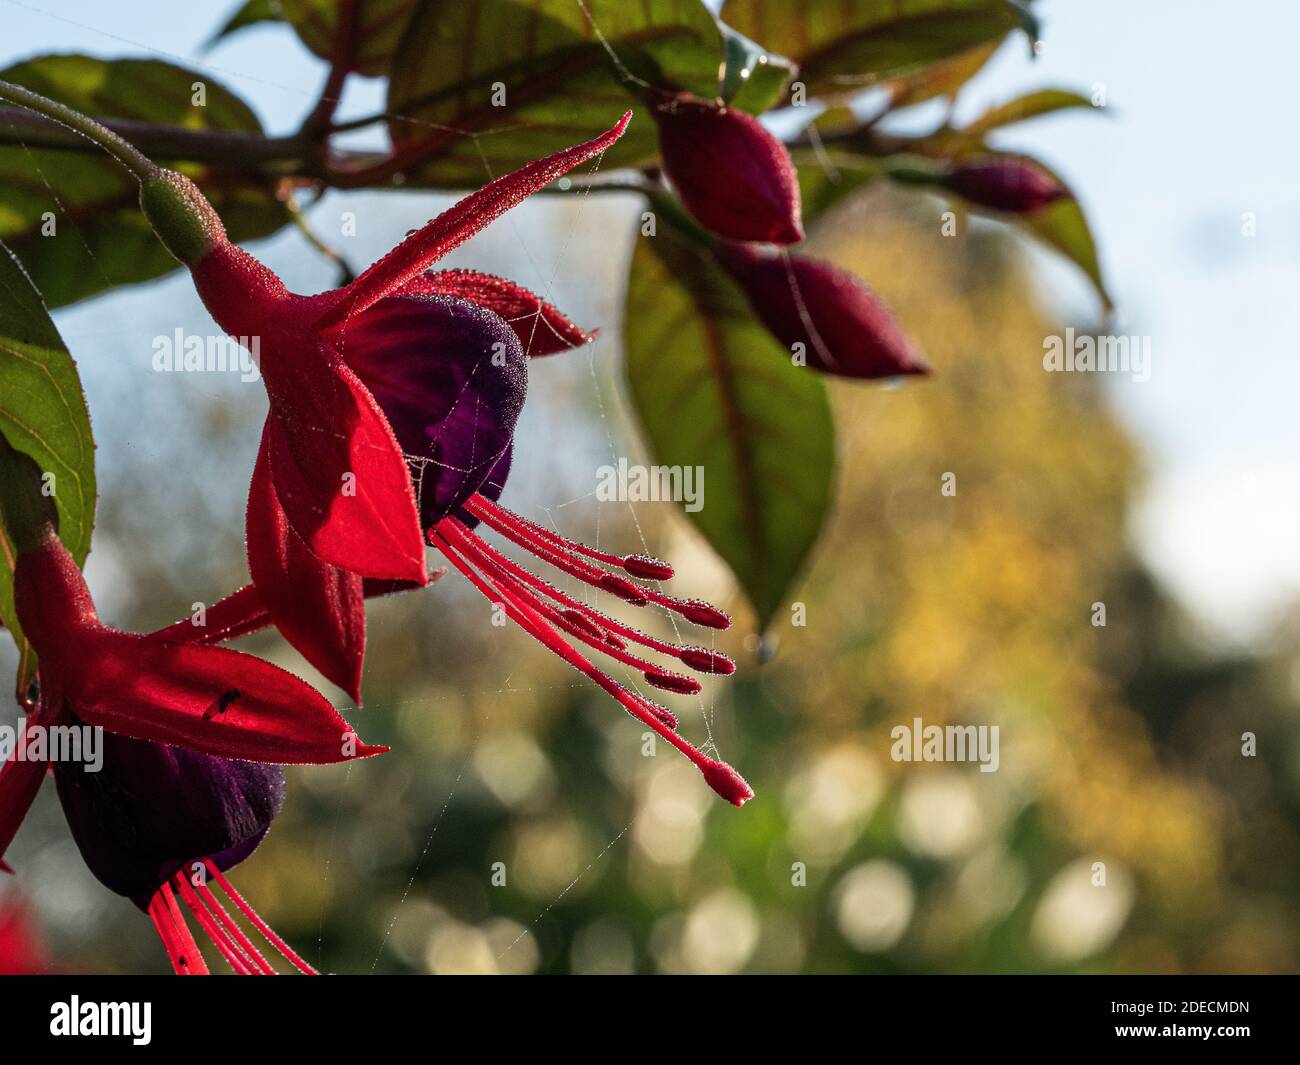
845, 45
752, 79
74, 217
381, 26
250, 14
943, 79
42, 414
713, 389
1064, 228
1061, 226
484, 88
1031, 105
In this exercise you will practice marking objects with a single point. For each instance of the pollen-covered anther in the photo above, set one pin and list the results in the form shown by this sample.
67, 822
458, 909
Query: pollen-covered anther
630, 593
703, 660
646, 568
665, 716
672, 682
580, 620
727, 782
698, 612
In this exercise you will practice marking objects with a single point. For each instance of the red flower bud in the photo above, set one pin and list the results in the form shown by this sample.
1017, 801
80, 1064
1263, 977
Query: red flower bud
842, 325
1005, 183
731, 174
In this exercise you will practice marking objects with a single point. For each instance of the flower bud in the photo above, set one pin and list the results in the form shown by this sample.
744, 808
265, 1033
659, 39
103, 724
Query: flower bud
832, 317
730, 173
1005, 183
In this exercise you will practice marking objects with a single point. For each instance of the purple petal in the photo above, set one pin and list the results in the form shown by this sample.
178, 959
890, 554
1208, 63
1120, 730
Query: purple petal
152, 809
451, 378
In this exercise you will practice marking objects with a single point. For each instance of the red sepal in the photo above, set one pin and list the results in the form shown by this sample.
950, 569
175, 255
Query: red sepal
319, 608
458, 223
341, 478
541, 328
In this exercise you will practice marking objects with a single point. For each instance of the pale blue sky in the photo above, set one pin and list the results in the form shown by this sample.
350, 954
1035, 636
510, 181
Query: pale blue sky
1198, 136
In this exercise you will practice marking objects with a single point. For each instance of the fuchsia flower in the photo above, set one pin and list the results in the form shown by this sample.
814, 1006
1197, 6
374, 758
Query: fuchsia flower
419, 370
211, 700
332, 500
1005, 183
154, 823
732, 175
157, 818
843, 327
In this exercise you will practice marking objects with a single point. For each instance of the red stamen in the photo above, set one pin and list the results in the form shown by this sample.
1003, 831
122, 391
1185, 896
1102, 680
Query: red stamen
696, 611
464, 551
641, 566
672, 682
533, 538
659, 678
703, 660
234, 957
214, 906
580, 620
184, 953
240, 959
279, 944
162, 923
583, 629
612, 631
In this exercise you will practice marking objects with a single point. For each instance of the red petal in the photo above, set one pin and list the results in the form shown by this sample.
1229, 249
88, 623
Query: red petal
19, 783
542, 330
208, 699
238, 614
460, 222
342, 481
319, 608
